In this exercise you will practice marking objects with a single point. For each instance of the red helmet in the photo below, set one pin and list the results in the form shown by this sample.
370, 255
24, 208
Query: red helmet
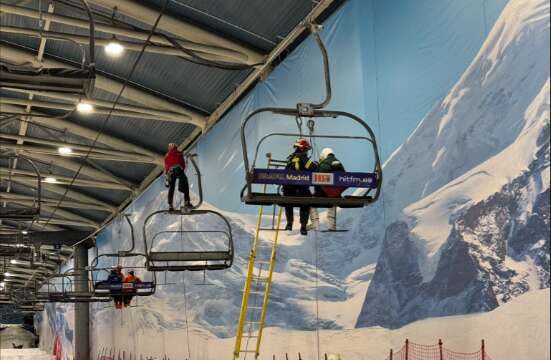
302, 145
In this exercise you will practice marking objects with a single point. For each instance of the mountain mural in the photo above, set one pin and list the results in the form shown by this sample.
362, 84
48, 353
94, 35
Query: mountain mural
467, 196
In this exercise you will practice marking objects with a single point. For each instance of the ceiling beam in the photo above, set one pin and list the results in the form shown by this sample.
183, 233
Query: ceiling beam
63, 222
9, 173
60, 190
206, 52
29, 200
67, 237
70, 126
51, 209
99, 110
179, 27
76, 153
85, 148
74, 166
186, 115
145, 112
225, 54
68, 215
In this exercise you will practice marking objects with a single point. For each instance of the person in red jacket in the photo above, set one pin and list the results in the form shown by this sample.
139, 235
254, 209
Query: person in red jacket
175, 166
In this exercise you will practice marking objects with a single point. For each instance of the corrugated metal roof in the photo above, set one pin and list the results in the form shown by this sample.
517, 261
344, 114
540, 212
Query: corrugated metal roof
259, 25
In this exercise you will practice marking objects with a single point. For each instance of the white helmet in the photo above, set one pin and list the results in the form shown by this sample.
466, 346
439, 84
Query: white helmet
325, 153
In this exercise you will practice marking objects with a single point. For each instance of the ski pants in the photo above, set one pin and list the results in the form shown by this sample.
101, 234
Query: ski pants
177, 173
304, 210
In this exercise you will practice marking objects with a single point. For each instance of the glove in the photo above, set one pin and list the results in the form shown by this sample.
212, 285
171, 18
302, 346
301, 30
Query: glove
167, 185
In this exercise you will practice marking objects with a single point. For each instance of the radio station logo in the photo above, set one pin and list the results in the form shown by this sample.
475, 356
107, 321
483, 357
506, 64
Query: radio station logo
322, 179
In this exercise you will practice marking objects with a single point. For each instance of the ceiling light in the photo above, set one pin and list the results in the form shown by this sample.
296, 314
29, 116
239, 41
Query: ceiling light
50, 179
7, 274
114, 48
24, 232
85, 108
64, 150
13, 261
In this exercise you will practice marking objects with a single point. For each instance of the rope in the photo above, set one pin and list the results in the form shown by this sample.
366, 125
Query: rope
316, 260
186, 314
184, 287
108, 117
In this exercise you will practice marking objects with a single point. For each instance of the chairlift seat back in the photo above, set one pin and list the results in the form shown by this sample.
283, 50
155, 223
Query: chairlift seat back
135, 289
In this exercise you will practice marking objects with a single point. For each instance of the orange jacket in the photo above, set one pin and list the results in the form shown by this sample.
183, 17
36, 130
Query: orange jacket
131, 279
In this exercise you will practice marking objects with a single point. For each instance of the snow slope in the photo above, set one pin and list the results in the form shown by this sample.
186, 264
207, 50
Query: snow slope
512, 331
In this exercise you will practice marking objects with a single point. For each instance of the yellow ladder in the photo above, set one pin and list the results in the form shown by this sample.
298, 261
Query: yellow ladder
256, 293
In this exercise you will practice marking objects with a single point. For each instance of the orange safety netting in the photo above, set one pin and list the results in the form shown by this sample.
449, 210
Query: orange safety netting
413, 351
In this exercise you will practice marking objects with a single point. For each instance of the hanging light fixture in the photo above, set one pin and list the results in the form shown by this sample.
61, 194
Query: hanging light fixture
114, 48
85, 108
64, 150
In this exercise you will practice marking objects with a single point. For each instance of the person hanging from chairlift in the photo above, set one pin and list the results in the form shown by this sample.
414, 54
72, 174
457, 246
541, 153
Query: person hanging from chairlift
131, 278
299, 161
175, 166
328, 162
116, 277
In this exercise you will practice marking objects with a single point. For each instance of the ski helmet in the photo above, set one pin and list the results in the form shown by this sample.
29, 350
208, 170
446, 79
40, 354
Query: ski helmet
302, 145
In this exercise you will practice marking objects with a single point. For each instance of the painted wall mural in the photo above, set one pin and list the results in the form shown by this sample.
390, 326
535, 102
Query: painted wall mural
458, 246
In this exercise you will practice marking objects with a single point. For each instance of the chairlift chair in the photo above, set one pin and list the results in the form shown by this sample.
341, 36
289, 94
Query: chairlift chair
67, 80
104, 288
371, 181
52, 292
188, 260
19, 214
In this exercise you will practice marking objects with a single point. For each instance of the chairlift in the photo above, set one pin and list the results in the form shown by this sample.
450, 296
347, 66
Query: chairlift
64, 291
18, 214
371, 181
67, 80
103, 288
188, 260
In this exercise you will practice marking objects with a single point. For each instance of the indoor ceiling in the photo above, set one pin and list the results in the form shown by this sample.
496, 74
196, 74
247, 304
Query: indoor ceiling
201, 58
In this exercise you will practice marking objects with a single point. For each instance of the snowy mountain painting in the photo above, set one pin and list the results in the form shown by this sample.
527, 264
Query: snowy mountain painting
467, 196
462, 228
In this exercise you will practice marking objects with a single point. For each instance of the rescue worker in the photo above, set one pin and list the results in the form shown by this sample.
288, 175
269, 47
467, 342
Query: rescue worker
330, 163
115, 278
131, 278
299, 161
175, 166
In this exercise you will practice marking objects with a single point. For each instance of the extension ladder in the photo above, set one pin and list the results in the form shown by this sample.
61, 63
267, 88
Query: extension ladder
262, 261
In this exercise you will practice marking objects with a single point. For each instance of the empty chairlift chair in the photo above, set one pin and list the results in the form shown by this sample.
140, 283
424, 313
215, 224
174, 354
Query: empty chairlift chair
21, 213
188, 258
68, 80
60, 288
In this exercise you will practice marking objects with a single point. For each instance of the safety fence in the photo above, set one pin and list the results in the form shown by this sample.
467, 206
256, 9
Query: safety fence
413, 351
117, 354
